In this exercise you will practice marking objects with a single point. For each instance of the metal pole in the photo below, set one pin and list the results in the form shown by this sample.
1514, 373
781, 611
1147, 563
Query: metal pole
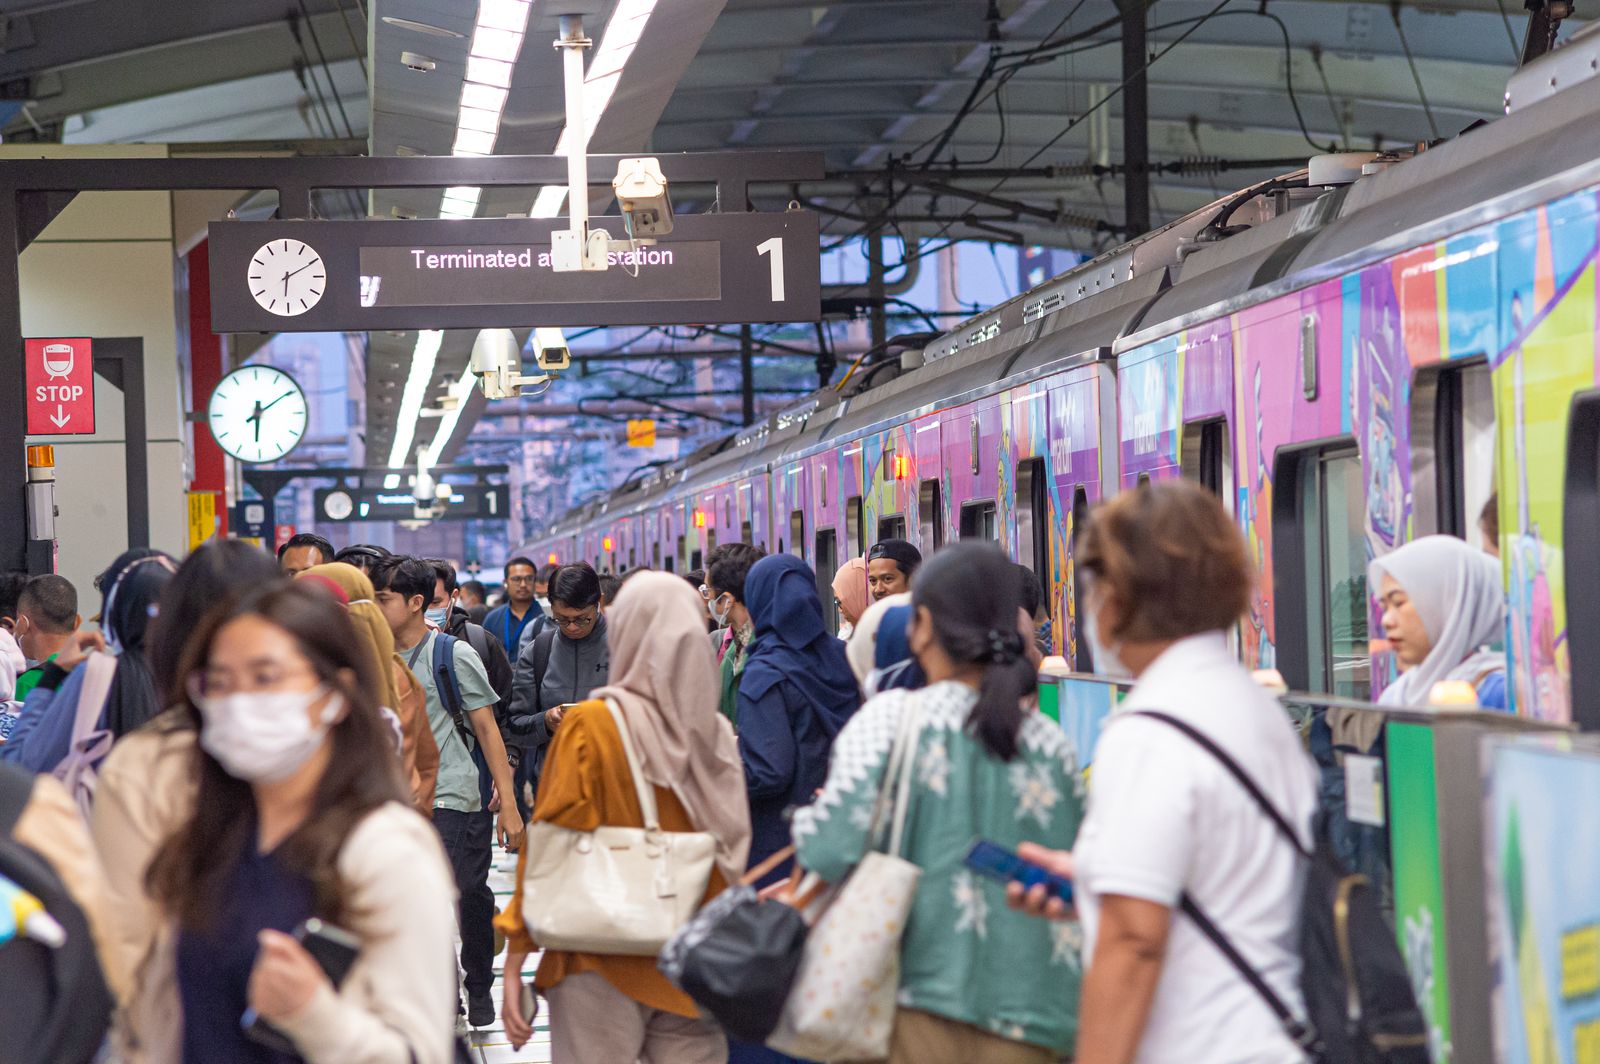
572, 45
14, 552
747, 380
1135, 119
879, 323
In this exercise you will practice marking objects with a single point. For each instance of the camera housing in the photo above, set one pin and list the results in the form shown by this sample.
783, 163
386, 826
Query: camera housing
641, 190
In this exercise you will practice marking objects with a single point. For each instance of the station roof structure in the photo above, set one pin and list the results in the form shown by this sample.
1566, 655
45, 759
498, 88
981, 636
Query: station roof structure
943, 119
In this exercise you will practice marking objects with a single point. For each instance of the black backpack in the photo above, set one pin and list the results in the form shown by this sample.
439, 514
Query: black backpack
56, 1007
1360, 1005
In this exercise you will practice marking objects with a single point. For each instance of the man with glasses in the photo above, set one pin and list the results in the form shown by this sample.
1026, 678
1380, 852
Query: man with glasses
559, 668
506, 622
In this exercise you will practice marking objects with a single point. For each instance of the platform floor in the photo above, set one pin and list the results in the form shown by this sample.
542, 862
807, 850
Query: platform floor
489, 1043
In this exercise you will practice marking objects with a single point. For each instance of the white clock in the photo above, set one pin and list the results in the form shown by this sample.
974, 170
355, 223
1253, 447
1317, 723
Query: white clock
257, 413
287, 277
338, 505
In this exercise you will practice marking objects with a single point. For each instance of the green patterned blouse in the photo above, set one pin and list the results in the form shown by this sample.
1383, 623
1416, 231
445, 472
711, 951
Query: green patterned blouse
965, 955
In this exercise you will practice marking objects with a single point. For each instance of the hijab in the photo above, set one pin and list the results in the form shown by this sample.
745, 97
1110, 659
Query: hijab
793, 644
664, 680
371, 628
897, 669
1457, 593
132, 587
863, 646
850, 588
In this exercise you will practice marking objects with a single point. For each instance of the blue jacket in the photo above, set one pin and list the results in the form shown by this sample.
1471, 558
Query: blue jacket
43, 735
784, 744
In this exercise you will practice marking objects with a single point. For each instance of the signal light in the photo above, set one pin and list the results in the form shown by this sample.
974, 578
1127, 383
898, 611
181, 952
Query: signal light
553, 559
902, 466
699, 519
605, 544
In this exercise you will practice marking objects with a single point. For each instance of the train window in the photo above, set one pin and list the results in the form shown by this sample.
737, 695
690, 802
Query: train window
655, 556
978, 521
1452, 447
1082, 659
696, 560
746, 534
892, 527
1320, 565
1033, 515
827, 568
1581, 509
797, 532
855, 527
711, 542
930, 515
1204, 458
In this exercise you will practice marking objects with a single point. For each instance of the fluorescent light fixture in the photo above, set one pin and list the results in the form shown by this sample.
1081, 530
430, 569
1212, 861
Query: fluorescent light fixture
479, 120
488, 71
548, 203
483, 97
390, 482
504, 14
423, 358
463, 192
489, 43
461, 390
473, 142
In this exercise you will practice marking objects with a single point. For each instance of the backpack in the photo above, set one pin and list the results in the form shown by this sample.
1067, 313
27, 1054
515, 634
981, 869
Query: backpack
1360, 1005
56, 1007
90, 743
449, 684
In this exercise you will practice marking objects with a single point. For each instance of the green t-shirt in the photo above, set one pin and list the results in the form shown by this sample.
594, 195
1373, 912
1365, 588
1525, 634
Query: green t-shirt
27, 681
457, 787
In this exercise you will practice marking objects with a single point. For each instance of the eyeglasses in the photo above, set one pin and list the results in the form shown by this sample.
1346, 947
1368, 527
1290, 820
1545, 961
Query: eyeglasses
519, 579
581, 621
218, 683
705, 592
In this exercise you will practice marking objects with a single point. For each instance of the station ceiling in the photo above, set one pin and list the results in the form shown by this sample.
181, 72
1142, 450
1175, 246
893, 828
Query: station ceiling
1238, 90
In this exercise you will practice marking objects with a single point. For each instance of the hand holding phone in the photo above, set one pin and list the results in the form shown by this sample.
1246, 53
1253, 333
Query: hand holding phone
1003, 865
285, 975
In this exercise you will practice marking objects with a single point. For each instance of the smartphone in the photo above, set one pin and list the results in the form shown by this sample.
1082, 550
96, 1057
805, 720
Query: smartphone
334, 949
1001, 864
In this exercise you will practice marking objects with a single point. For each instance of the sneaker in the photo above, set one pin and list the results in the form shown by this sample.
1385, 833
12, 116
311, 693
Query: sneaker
462, 1030
480, 1009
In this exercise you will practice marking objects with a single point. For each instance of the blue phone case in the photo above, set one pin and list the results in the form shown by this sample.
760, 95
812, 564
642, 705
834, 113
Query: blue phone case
999, 863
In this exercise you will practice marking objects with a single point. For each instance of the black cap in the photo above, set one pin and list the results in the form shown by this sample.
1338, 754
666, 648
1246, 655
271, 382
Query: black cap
898, 551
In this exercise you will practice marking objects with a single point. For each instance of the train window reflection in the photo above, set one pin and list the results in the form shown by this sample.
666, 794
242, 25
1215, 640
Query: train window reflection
978, 521
892, 527
1333, 509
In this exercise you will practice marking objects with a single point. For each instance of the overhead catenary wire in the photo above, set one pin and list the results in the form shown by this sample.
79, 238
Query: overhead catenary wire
1405, 46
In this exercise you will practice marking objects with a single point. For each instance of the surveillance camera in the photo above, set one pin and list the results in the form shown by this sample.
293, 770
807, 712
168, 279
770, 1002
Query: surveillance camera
641, 191
422, 488
418, 62
495, 350
551, 349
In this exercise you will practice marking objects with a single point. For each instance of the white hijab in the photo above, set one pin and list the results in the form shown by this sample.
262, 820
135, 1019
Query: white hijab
1457, 592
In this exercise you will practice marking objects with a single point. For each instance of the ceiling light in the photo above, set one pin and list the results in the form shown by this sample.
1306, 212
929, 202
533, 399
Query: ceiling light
391, 482
473, 142
549, 201
503, 14
488, 71
463, 192
496, 44
423, 358
483, 97
476, 118
415, 61
421, 27
459, 392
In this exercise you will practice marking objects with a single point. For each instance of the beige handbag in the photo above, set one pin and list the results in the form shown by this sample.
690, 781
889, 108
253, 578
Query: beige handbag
842, 1004
614, 890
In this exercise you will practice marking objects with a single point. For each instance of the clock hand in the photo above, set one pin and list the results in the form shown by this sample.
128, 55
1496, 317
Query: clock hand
256, 417
308, 265
276, 401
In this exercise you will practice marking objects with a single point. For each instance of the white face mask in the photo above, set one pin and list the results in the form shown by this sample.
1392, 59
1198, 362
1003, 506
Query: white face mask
1106, 662
264, 736
721, 616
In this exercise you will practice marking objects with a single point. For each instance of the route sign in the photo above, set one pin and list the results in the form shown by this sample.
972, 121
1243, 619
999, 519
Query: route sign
60, 382
482, 273
467, 502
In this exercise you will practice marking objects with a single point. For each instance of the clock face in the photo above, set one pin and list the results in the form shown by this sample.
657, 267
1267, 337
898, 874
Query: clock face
338, 505
257, 413
287, 277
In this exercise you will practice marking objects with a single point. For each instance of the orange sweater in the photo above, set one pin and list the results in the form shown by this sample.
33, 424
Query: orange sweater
586, 784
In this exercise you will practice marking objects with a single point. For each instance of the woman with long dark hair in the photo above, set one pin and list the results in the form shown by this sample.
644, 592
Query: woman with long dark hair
977, 981
130, 590
300, 812
146, 784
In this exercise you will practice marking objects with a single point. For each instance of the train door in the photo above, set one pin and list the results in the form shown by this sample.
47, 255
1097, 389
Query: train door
1581, 509
1204, 458
1034, 519
1452, 448
1320, 566
855, 524
930, 516
827, 569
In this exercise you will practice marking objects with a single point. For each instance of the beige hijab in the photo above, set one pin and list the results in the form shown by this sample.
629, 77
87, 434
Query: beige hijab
664, 679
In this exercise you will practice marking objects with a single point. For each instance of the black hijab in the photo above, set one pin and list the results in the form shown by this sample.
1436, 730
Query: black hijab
130, 590
792, 643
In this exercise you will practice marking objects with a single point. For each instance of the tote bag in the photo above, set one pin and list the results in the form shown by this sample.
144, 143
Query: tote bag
614, 890
843, 1001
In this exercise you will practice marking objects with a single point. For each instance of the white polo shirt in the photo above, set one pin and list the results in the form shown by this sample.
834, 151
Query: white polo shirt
1165, 817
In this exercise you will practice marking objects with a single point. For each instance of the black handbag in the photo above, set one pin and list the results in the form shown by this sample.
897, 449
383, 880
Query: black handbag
737, 957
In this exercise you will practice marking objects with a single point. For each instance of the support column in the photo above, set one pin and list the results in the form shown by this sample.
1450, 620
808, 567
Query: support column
877, 313
14, 553
747, 381
1135, 119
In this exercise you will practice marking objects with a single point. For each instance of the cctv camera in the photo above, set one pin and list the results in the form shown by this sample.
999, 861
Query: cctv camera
551, 351
494, 350
641, 191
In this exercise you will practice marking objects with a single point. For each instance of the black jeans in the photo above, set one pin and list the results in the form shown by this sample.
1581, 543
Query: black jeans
468, 840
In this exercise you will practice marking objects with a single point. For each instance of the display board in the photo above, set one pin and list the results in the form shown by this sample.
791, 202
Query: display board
1419, 907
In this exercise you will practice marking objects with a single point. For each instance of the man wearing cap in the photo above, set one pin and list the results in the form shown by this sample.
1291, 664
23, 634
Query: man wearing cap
890, 565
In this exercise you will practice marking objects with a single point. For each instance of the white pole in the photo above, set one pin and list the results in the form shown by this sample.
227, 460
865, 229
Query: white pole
573, 43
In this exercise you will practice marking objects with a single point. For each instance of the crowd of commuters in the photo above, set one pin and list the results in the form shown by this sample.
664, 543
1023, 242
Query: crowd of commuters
248, 753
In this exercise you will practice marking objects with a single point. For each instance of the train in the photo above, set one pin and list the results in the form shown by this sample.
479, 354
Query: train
1376, 347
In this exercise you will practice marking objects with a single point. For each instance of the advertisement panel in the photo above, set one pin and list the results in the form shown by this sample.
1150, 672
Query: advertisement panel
1419, 913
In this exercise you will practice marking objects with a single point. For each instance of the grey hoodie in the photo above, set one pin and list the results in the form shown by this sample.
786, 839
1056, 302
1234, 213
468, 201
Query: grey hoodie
577, 666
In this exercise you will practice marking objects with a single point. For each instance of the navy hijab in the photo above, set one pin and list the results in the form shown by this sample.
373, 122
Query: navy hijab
897, 666
792, 643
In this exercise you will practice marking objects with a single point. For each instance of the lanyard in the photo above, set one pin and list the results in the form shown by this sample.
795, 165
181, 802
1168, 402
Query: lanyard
416, 652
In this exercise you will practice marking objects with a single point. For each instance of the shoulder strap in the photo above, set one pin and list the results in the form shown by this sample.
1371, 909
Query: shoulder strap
641, 786
16, 790
543, 646
1205, 742
444, 677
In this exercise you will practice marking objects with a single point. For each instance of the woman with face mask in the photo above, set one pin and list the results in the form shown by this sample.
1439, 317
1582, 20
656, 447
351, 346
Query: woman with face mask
1443, 609
1168, 574
300, 813
131, 589
977, 982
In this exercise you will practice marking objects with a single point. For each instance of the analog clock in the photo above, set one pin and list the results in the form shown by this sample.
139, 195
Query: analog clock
338, 505
287, 277
257, 413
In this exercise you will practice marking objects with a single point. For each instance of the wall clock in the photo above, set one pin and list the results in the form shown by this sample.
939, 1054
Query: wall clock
287, 277
257, 413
